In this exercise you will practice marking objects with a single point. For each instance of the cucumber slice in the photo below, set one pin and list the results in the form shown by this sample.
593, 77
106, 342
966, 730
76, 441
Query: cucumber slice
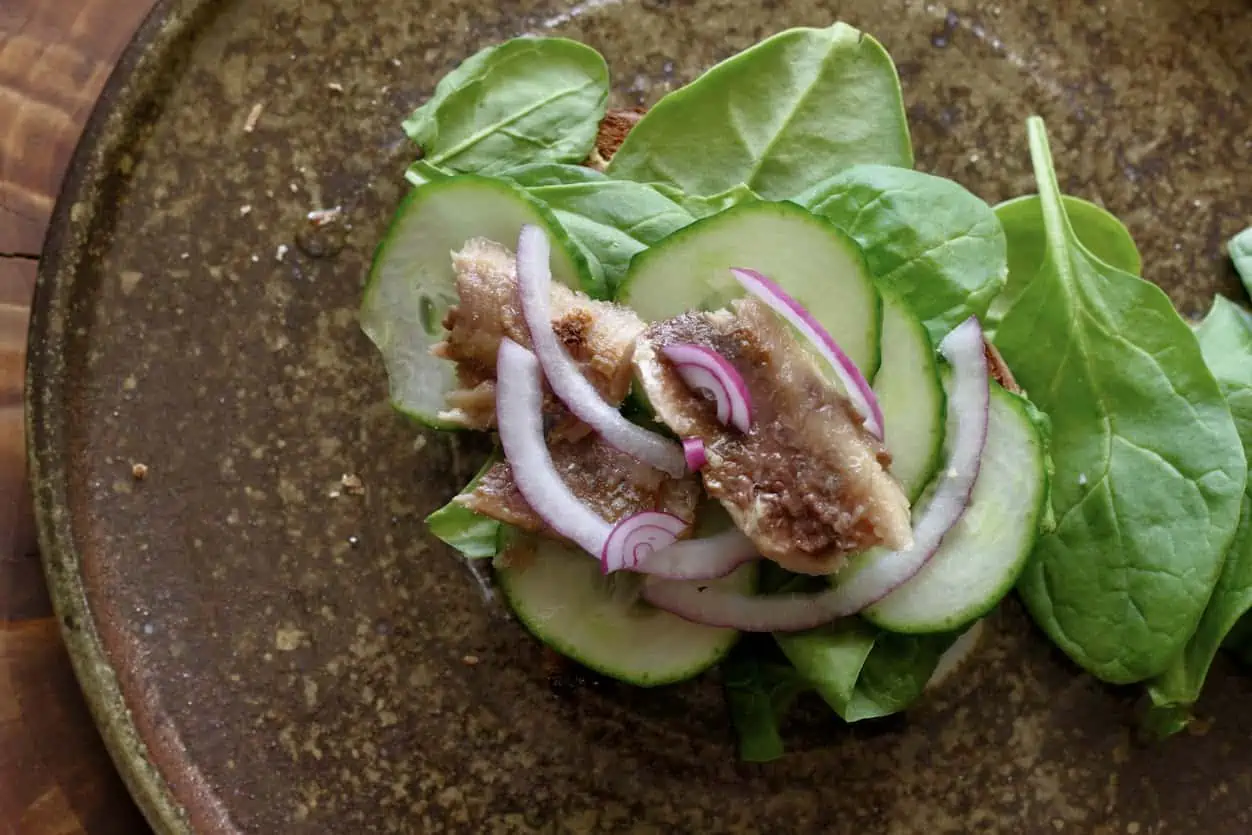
981, 557
559, 594
411, 283
911, 396
820, 266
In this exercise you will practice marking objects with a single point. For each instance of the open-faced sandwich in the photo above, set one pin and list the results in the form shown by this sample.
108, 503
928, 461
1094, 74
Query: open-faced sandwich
750, 372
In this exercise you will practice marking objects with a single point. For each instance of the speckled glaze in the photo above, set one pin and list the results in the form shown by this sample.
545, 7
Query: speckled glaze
270, 652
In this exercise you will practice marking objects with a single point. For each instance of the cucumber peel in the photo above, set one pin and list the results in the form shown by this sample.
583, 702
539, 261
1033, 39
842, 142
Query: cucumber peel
411, 282
816, 263
982, 556
910, 394
562, 598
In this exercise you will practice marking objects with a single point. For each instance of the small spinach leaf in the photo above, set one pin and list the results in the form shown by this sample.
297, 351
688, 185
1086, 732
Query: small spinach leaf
613, 219
1225, 337
778, 117
929, 239
759, 692
1149, 469
1097, 229
1241, 254
863, 672
422, 172
525, 100
474, 535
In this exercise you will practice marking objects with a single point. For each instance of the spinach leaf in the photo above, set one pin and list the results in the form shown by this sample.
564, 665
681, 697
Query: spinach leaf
552, 174
863, 672
778, 117
704, 206
1097, 229
609, 221
422, 172
613, 220
929, 239
474, 535
1149, 469
1241, 254
759, 691
525, 100
1225, 337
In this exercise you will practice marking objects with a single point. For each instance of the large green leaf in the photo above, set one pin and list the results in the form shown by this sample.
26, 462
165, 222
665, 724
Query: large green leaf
1226, 339
776, 118
1150, 472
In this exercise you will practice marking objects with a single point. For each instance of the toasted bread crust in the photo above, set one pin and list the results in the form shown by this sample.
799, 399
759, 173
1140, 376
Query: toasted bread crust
999, 369
613, 129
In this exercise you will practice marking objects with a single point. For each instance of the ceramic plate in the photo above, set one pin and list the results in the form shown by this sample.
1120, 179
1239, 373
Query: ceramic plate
268, 651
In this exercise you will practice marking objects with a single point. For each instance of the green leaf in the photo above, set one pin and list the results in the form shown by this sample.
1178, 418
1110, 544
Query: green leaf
759, 691
704, 206
778, 117
612, 219
1241, 254
1104, 236
1225, 337
537, 174
1149, 469
474, 535
423, 171
1097, 229
896, 673
525, 100
609, 221
863, 672
933, 242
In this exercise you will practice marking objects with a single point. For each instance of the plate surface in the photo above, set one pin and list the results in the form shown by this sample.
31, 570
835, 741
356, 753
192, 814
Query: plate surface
269, 652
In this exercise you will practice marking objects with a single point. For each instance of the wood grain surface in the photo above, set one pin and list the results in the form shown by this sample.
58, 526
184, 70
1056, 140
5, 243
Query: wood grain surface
55, 776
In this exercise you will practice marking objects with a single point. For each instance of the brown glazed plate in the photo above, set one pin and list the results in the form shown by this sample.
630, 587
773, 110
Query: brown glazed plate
267, 651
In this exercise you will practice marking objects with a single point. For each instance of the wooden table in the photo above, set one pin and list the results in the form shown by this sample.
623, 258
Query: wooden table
55, 776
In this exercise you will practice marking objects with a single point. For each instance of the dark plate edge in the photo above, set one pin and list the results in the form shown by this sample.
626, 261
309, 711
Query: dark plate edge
133, 87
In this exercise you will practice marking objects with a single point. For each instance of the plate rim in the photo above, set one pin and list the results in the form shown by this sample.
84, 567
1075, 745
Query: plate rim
134, 85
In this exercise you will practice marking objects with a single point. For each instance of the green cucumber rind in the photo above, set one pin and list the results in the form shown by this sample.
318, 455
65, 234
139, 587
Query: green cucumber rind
911, 620
893, 305
373, 321
644, 260
665, 636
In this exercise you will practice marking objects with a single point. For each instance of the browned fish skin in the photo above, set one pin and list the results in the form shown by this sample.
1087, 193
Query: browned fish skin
807, 483
600, 336
611, 483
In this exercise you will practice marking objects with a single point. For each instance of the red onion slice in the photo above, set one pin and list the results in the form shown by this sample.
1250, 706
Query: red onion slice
708, 372
636, 537
519, 418
701, 559
886, 571
855, 386
693, 451
534, 274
